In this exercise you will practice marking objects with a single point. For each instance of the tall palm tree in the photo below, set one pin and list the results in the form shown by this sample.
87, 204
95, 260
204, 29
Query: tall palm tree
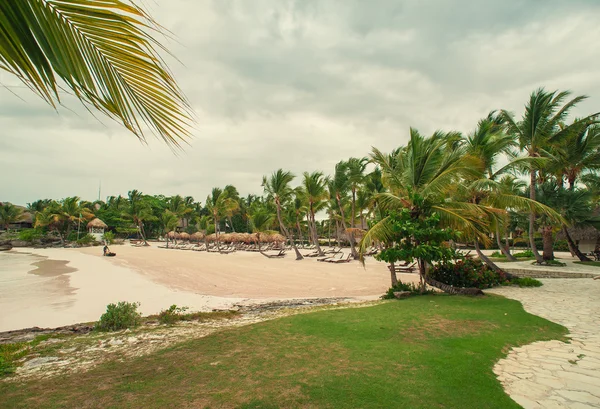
233, 194
261, 221
314, 192
138, 210
168, 222
339, 187
422, 177
356, 177
9, 214
104, 52
540, 126
277, 186
219, 204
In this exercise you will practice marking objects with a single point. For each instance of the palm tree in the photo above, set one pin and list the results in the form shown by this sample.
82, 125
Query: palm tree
261, 221
422, 177
138, 210
9, 214
338, 188
278, 187
314, 192
540, 126
102, 51
168, 222
232, 193
219, 205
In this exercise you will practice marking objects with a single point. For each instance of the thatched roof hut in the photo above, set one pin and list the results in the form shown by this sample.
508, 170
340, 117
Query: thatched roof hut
97, 224
587, 233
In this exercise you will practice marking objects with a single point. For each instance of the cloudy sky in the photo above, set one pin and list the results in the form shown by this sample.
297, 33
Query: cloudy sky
302, 84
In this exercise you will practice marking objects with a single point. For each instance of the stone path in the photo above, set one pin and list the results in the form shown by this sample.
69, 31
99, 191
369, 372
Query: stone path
555, 374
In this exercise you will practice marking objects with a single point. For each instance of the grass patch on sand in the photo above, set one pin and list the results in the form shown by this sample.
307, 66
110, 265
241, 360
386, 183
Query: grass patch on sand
421, 352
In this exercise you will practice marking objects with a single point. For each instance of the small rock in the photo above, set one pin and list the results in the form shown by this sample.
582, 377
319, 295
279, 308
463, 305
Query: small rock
115, 341
35, 362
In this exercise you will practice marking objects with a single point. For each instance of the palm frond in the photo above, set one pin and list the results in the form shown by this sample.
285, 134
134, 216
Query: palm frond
102, 50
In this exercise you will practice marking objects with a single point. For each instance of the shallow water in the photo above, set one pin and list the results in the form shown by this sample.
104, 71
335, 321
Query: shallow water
44, 289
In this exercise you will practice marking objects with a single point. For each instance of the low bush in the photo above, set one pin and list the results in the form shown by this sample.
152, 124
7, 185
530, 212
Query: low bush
9, 354
171, 315
86, 240
109, 237
526, 282
497, 254
401, 287
524, 254
120, 316
30, 235
467, 273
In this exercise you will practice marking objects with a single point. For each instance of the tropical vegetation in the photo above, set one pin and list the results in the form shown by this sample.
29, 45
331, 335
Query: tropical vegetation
514, 180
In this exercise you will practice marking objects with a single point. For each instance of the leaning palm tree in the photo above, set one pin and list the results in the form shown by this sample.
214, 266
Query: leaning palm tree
314, 193
104, 52
338, 187
138, 210
9, 214
277, 186
261, 221
541, 126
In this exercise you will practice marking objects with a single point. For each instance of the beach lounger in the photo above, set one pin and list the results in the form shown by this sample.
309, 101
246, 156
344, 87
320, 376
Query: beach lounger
341, 260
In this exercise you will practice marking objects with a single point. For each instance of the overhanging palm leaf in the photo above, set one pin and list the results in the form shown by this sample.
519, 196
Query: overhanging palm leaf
102, 51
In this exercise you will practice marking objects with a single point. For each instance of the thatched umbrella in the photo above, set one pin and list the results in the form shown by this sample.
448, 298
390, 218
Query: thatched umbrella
171, 235
225, 237
177, 236
275, 238
211, 238
184, 236
97, 223
198, 236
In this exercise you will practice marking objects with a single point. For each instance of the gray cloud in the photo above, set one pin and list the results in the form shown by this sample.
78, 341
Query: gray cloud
302, 84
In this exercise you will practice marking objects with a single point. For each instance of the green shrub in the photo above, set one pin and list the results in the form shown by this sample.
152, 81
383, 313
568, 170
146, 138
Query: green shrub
30, 235
86, 240
497, 254
467, 273
9, 353
560, 245
524, 254
401, 287
172, 315
109, 237
526, 282
120, 316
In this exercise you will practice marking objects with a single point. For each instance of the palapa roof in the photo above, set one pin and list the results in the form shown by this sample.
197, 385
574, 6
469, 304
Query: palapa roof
97, 223
580, 233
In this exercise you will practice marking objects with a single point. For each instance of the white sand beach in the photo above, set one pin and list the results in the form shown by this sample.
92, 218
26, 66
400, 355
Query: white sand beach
54, 287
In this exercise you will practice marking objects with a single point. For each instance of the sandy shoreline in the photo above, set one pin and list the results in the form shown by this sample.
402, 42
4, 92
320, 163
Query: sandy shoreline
65, 286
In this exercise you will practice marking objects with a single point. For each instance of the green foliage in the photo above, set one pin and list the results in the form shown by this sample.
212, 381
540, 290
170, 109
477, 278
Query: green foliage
30, 235
120, 316
401, 287
109, 237
526, 282
172, 315
524, 254
9, 354
467, 273
86, 240
417, 238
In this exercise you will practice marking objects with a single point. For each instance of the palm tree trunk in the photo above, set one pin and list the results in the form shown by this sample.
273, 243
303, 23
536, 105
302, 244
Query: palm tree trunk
299, 229
487, 261
547, 240
532, 182
231, 223
352, 249
353, 207
314, 231
394, 277
286, 233
572, 246
504, 250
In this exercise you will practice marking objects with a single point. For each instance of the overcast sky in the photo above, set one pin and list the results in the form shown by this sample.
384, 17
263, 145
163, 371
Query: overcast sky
303, 84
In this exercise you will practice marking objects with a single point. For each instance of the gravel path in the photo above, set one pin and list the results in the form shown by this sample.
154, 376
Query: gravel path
555, 374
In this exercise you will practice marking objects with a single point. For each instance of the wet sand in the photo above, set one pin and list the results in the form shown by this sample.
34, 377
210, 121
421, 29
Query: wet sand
55, 287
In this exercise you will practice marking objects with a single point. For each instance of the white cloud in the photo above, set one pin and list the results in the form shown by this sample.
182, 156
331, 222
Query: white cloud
302, 84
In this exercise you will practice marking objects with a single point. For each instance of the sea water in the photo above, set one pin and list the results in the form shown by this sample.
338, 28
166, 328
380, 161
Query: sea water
29, 290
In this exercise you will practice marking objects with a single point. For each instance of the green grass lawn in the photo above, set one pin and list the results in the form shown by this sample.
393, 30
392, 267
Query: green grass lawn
422, 352
588, 263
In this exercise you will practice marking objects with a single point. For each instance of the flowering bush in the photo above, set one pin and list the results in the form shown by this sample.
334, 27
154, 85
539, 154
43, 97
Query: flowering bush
467, 273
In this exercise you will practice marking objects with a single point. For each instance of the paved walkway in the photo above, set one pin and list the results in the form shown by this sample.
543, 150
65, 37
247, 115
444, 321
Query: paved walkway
556, 374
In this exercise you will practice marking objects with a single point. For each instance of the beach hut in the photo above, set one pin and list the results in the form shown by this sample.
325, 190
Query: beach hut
585, 238
96, 228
